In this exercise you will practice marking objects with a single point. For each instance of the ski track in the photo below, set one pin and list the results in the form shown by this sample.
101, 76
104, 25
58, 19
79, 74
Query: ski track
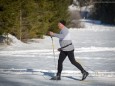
49, 52
64, 73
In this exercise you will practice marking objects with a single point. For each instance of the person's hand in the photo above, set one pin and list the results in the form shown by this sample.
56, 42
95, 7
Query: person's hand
59, 49
51, 33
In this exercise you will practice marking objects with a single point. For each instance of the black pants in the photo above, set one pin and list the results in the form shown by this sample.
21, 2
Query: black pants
71, 57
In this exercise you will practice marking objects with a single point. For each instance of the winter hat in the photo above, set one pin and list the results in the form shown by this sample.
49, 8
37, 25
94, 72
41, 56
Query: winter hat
62, 22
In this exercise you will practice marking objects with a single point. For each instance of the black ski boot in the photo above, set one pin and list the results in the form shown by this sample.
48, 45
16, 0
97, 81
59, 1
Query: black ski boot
85, 74
57, 77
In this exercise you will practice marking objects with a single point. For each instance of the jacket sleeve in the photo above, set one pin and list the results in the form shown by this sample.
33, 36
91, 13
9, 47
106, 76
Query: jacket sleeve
61, 35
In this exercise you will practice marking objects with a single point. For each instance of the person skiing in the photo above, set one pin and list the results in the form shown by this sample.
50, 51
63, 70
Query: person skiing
67, 49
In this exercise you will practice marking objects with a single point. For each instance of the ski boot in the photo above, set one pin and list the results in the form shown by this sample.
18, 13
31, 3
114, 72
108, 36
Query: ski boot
57, 77
85, 74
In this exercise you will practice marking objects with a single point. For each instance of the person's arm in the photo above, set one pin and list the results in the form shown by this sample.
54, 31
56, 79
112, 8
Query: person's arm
61, 35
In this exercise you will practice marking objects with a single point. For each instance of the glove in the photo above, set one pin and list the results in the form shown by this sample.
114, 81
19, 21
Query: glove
59, 49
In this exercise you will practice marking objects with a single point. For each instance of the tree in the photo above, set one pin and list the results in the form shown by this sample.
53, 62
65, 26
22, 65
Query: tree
31, 18
7, 16
51, 11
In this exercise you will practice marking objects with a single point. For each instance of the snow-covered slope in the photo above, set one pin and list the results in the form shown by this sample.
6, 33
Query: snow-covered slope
21, 63
94, 43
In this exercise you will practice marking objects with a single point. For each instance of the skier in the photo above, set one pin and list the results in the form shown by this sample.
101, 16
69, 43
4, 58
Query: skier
67, 49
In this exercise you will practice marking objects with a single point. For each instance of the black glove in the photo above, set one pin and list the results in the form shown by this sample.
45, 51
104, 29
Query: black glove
59, 49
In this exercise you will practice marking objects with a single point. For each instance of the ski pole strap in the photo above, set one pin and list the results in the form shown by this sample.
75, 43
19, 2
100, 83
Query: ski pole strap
66, 46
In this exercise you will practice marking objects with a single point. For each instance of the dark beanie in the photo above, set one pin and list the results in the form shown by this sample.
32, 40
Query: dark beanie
63, 22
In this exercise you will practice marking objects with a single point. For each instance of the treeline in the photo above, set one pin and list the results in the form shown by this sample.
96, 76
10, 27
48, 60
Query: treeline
104, 10
31, 18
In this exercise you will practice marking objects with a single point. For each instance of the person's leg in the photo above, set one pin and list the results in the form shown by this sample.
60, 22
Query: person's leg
62, 56
75, 63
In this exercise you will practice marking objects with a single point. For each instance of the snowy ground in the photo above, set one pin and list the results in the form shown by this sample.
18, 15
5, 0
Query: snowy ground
38, 80
33, 64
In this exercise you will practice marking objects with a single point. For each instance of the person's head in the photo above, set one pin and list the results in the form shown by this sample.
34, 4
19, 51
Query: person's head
61, 24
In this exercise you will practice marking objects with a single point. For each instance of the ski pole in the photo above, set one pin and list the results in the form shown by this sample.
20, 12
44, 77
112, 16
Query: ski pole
53, 52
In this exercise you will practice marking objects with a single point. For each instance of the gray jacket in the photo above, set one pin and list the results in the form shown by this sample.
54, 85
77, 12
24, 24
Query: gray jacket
64, 39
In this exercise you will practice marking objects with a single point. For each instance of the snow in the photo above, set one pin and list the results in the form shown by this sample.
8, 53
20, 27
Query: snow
73, 8
32, 63
37, 80
77, 8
